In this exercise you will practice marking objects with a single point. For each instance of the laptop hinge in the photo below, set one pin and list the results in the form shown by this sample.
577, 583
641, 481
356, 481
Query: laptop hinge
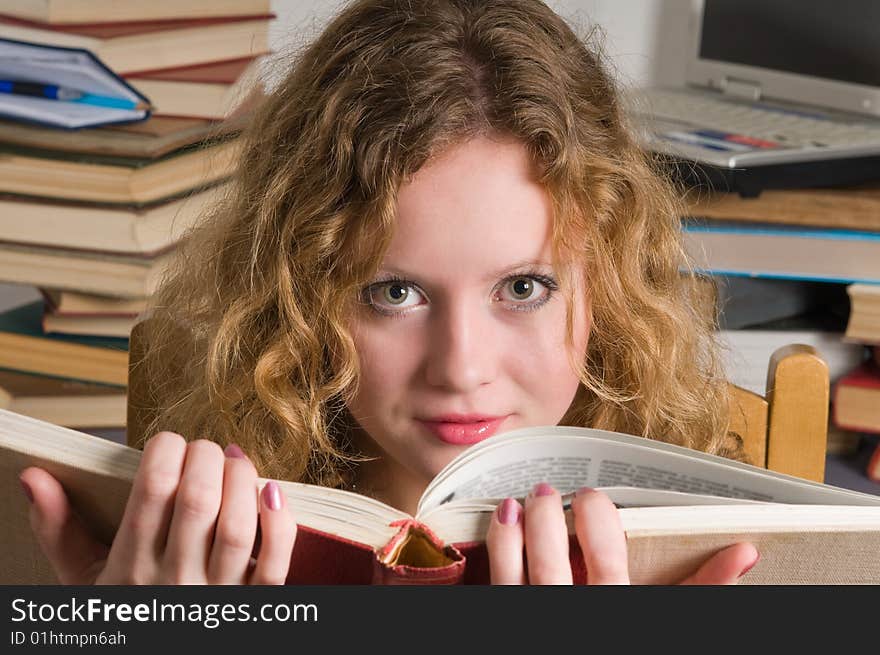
740, 88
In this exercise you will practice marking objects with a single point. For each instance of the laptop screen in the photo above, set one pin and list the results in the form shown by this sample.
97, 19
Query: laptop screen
837, 40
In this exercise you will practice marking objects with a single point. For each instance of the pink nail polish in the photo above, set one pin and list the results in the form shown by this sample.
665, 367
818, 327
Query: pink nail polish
509, 511
584, 490
749, 567
543, 489
234, 451
272, 496
27, 490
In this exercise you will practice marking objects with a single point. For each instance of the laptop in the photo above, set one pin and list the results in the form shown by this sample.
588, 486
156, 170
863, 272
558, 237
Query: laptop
779, 94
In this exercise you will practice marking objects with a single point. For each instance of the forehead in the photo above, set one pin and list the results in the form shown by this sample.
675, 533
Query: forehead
475, 208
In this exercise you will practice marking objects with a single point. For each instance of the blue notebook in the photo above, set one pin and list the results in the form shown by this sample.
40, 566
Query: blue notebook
101, 96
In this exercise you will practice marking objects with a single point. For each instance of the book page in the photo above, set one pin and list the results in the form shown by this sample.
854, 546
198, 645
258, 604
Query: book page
510, 464
342, 513
468, 520
102, 472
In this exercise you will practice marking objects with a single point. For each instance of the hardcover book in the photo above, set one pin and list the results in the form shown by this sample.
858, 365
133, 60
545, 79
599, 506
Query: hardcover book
677, 506
70, 303
212, 91
120, 230
864, 316
857, 399
66, 312
101, 326
115, 180
63, 12
783, 251
151, 45
71, 403
123, 276
24, 347
149, 139
852, 208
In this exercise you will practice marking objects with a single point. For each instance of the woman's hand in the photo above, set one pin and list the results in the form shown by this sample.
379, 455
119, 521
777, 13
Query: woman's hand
540, 529
191, 518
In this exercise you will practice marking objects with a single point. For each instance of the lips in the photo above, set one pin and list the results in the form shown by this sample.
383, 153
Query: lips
463, 429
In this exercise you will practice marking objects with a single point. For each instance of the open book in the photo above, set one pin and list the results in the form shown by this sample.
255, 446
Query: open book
678, 507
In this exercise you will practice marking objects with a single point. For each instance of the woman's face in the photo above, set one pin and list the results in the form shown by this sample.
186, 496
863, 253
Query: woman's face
461, 334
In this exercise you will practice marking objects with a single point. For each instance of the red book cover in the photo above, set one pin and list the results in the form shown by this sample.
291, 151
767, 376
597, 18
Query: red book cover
222, 72
151, 45
866, 376
852, 389
413, 556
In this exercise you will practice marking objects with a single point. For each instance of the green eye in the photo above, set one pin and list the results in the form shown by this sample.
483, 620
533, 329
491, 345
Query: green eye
393, 297
522, 288
395, 294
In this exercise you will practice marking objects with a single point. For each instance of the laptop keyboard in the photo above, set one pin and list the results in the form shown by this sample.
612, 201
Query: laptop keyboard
756, 126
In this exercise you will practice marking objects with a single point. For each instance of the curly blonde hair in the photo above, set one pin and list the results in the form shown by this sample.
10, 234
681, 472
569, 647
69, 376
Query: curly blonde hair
248, 341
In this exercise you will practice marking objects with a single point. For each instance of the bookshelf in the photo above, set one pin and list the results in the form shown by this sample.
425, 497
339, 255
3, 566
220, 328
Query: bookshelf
796, 304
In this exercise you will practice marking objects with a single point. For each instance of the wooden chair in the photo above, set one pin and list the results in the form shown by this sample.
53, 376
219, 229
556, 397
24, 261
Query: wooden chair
785, 430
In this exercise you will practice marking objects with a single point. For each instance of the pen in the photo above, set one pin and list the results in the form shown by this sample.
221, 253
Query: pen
64, 94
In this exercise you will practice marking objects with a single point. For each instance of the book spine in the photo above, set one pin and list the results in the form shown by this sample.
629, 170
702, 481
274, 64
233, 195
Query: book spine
415, 555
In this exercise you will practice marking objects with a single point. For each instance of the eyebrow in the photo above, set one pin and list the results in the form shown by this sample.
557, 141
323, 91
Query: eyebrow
502, 272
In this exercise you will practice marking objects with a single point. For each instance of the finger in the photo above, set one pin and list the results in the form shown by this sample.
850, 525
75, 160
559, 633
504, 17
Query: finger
74, 554
504, 541
601, 537
140, 541
278, 534
196, 506
726, 567
546, 537
237, 522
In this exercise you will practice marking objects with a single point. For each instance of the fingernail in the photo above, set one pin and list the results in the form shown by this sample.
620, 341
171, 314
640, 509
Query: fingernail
27, 490
584, 490
749, 567
234, 451
543, 489
509, 511
272, 495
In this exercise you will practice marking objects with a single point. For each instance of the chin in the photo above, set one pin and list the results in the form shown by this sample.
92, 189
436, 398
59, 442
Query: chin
434, 467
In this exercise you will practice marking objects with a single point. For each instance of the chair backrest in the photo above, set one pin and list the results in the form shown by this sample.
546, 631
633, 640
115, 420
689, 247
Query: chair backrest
785, 430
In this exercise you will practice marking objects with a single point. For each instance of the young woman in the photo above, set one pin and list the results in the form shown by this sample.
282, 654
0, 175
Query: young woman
440, 229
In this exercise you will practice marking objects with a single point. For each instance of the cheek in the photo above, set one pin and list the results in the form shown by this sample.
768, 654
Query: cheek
387, 362
548, 372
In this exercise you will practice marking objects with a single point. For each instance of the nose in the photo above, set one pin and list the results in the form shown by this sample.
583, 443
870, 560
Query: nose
462, 354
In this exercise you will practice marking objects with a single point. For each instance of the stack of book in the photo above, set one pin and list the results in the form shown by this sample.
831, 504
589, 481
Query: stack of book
90, 217
828, 235
800, 266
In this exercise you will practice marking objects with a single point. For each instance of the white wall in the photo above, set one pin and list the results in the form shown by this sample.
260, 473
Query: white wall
645, 39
